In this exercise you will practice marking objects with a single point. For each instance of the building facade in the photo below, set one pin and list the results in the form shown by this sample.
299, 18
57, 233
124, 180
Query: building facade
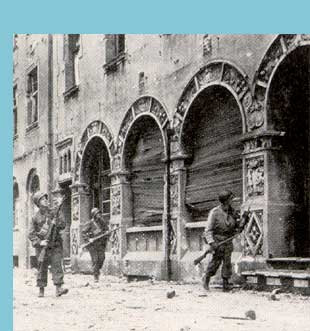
146, 126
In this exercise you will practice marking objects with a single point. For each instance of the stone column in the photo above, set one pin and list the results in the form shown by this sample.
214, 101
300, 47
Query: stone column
260, 176
121, 210
179, 215
79, 215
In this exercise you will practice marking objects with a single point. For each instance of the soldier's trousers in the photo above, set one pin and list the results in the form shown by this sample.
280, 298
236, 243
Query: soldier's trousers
97, 254
53, 258
222, 254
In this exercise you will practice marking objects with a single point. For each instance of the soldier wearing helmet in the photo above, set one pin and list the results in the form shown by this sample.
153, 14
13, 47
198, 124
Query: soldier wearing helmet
223, 222
95, 227
38, 233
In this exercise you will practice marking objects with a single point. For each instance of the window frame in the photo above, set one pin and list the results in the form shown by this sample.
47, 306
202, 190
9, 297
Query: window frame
32, 95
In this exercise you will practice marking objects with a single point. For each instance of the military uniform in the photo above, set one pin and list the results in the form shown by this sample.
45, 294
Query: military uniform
54, 253
91, 229
221, 225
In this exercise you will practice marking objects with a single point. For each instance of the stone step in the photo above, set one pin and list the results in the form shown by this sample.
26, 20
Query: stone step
293, 263
288, 280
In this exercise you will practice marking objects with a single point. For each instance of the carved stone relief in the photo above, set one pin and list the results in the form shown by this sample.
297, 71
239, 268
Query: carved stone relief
116, 200
233, 78
75, 209
74, 241
255, 176
174, 191
173, 236
253, 234
255, 115
207, 45
159, 112
115, 240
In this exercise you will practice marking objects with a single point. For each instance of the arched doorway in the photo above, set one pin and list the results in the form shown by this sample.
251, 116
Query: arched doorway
95, 173
288, 111
211, 138
33, 185
144, 159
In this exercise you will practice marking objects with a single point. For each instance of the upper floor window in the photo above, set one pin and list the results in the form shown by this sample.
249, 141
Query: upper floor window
71, 48
15, 109
32, 97
115, 50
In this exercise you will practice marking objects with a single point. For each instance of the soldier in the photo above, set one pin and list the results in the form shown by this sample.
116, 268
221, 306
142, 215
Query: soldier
95, 227
223, 222
39, 229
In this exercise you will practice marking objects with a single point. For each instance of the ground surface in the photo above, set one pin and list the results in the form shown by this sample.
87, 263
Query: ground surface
114, 304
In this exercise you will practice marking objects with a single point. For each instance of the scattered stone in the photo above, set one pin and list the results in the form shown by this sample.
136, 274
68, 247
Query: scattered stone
185, 328
170, 294
250, 314
87, 284
91, 326
273, 295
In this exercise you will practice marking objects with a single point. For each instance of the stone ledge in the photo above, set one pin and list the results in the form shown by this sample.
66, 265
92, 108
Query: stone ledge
136, 229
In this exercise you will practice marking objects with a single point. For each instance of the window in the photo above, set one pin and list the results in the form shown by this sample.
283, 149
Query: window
32, 97
15, 204
71, 48
15, 109
115, 50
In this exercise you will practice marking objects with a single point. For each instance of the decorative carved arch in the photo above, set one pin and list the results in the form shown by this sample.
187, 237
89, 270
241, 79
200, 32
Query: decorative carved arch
220, 73
279, 49
145, 105
95, 128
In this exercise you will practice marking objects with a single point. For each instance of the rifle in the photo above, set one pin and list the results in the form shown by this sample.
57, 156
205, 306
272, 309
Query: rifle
51, 233
100, 236
210, 250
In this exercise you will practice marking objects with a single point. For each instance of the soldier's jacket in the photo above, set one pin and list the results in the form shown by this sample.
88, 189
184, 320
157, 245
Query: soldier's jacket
93, 229
221, 224
40, 224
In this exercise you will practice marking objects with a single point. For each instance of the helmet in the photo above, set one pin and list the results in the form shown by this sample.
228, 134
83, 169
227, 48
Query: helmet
38, 196
225, 195
94, 212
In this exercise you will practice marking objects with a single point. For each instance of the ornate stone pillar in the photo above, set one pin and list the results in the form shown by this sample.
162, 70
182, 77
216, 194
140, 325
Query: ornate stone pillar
121, 214
262, 171
79, 215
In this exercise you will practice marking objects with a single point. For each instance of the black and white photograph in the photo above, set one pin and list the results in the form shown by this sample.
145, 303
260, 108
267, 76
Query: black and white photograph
161, 182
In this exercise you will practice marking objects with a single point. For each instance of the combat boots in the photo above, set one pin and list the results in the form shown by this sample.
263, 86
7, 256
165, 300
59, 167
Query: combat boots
41, 292
206, 281
226, 285
61, 291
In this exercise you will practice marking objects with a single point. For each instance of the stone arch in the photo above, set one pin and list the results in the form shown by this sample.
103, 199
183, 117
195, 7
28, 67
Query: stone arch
281, 85
278, 50
144, 106
95, 128
221, 73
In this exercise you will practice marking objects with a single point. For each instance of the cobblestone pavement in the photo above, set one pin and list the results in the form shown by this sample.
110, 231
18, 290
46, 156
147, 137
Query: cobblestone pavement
114, 304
